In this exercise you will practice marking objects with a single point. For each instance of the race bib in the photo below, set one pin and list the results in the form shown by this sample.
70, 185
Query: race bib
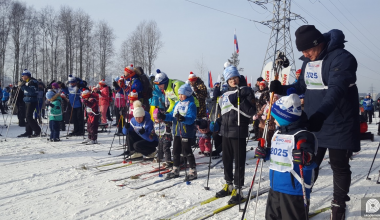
313, 76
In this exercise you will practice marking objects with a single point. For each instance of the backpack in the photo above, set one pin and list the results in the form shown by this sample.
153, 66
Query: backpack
147, 92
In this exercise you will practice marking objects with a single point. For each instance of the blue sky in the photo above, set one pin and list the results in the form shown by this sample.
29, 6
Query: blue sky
190, 31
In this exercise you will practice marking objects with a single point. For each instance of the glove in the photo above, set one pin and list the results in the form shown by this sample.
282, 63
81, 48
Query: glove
316, 122
127, 125
161, 115
245, 91
276, 87
260, 152
302, 157
115, 84
142, 131
180, 117
20, 83
255, 117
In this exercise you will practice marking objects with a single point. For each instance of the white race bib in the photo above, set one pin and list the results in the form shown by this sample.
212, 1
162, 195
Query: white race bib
182, 108
160, 129
226, 105
257, 95
281, 153
171, 95
313, 76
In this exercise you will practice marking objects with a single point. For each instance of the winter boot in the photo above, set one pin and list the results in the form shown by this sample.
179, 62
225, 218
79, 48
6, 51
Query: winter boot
191, 175
152, 154
338, 210
92, 142
226, 191
173, 174
24, 135
56, 140
235, 196
136, 155
168, 164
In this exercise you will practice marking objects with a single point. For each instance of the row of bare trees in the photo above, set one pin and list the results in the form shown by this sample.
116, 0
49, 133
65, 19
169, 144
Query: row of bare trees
54, 44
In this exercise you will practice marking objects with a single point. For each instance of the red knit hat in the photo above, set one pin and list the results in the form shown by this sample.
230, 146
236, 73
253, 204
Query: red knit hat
133, 96
130, 70
86, 94
102, 82
192, 77
262, 83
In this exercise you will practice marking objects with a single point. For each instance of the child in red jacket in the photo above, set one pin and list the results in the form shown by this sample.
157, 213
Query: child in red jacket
92, 109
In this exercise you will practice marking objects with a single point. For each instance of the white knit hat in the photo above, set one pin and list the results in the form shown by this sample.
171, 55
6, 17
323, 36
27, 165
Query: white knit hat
138, 110
133, 96
192, 77
227, 64
102, 82
71, 79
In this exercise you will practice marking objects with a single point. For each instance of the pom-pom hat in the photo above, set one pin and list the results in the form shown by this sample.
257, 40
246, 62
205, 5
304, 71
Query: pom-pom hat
102, 82
138, 111
230, 72
192, 77
72, 79
129, 69
86, 94
50, 94
287, 109
160, 78
26, 73
133, 95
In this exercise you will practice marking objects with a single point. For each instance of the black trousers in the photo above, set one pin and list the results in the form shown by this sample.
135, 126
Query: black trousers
281, 206
230, 152
183, 146
78, 119
256, 128
164, 144
2, 108
339, 161
118, 121
141, 145
217, 142
368, 114
31, 123
21, 113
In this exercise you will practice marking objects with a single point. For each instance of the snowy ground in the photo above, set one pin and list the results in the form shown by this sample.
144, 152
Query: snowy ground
44, 180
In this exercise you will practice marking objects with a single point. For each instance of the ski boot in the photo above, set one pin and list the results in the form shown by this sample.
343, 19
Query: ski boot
192, 175
152, 154
56, 140
338, 210
136, 155
173, 174
236, 197
227, 190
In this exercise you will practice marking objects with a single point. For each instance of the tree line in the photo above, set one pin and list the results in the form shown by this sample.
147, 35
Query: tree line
54, 44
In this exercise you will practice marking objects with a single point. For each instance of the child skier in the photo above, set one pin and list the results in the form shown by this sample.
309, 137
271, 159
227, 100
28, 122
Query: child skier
55, 117
92, 109
183, 116
164, 139
292, 146
204, 137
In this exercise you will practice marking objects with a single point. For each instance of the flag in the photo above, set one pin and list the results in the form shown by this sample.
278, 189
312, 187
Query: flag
210, 80
236, 43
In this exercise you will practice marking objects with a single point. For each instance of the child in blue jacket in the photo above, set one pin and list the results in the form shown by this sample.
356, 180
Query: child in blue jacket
183, 116
368, 107
285, 199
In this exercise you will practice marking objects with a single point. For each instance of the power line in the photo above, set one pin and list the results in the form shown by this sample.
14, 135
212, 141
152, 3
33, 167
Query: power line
345, 26
308, 13
222, 11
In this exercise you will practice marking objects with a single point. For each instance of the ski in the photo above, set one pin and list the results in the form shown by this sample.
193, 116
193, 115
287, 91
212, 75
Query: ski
223, 208
140, 174
133, 162
318, 211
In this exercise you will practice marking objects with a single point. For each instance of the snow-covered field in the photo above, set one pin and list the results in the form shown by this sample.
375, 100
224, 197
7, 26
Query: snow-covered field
47, 180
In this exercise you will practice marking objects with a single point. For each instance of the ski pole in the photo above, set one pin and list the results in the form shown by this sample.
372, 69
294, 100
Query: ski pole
118, 123
212, 144
18, 91
71, 114
159, 150
372, 162
303, 180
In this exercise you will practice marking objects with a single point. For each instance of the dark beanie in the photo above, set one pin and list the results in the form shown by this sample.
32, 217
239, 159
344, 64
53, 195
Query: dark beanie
307, 36
260, 79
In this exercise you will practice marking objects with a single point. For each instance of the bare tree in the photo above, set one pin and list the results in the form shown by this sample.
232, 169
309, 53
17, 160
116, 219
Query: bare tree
84, 26
201, 67
67, 26
153, 43
17, 21
104, 46
5, 8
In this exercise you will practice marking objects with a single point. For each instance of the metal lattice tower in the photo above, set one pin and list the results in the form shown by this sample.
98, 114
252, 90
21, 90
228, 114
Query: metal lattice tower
280, 37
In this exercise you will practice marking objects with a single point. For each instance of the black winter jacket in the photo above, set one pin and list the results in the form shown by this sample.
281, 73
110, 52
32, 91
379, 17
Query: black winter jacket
229, 121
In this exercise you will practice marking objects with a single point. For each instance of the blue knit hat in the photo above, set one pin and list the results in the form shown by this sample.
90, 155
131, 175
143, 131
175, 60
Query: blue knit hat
230, 72
72, 79
26, 73
50, 94
287, 109
186, 90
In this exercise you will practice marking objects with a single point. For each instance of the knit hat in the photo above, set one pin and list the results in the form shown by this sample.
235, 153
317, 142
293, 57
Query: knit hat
262, 83
133, 96
307, 36
299, 71
368, 94
160, 78
26, 73
230, 72
72, 79
192, 77
138, 111
155, 113
86, 94
130, 69
50, 93
186, 90
217, 83
227, 64
260, 79
287, 109
102, 82
54, 85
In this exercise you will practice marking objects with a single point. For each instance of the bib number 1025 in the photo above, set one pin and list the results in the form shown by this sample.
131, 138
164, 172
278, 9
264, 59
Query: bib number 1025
311, 75
279, 152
